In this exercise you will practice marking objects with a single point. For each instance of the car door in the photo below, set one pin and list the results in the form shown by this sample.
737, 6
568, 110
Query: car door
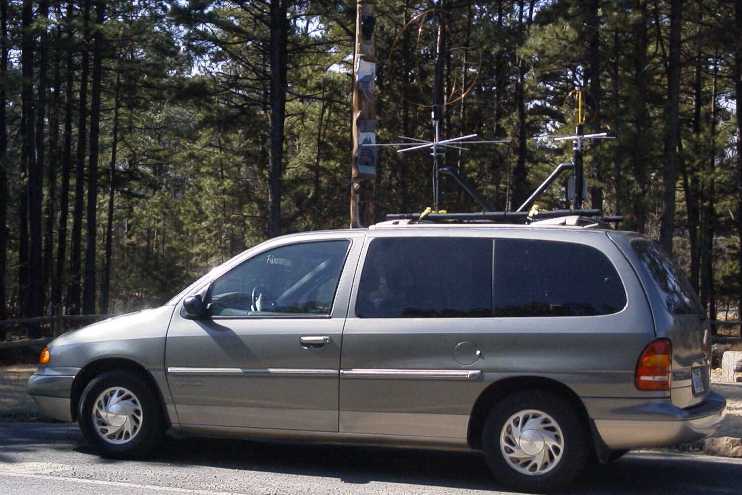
267, 356
411, 366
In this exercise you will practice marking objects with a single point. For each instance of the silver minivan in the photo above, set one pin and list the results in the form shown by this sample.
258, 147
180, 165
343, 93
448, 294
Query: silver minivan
544, 346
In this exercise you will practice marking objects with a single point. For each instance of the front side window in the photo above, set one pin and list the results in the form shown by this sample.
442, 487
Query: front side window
294, 279
548, 278
426, 277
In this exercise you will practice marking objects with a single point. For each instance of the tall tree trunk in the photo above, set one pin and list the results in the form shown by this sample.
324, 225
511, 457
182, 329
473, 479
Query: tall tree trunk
278, 64
41, 90
59, 279
708, 215
520, 174
3, 159
692, 169
738, 99
53, 165
319, 142
639, 145
595, 94
464, 85
106, 288
33, 306
672, 129
401, 163
618, 124
90, 270
500, 81
73, 290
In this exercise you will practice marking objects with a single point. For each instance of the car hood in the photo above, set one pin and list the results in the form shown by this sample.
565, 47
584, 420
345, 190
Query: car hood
149, 323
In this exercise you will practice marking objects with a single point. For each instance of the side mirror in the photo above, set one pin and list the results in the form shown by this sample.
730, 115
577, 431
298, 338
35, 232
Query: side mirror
194, 307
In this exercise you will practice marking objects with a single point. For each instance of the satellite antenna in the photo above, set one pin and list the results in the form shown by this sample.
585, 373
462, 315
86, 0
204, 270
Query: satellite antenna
438, 145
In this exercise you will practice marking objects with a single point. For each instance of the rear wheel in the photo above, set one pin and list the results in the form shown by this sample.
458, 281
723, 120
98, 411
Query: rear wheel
119, 415
535, 441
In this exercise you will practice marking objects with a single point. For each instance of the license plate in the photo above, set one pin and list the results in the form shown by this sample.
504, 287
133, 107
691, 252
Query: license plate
698, 381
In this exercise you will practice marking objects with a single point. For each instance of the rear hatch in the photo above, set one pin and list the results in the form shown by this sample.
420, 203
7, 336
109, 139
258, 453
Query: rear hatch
678, 316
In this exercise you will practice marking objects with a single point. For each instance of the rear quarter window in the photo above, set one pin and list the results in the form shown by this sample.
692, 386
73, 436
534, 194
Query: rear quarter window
672, 285
550, 278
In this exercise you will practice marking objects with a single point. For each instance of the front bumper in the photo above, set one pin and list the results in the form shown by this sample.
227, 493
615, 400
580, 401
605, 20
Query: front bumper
656, 424
51, 390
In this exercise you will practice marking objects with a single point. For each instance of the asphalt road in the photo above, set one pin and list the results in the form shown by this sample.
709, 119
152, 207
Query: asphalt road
52, 459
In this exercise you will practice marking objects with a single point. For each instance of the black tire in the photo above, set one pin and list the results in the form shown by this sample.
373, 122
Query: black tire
576, 440
151, 430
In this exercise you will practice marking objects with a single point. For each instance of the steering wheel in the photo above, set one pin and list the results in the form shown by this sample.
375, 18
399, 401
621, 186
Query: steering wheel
230, 301
261, 300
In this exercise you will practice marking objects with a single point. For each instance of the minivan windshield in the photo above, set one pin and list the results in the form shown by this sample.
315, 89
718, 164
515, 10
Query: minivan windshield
672, 285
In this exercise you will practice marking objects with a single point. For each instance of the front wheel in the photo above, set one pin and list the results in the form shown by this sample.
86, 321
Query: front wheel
119, 415
535, 441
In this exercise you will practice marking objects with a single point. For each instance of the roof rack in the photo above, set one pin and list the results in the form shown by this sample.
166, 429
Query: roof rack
603, 222
498, 216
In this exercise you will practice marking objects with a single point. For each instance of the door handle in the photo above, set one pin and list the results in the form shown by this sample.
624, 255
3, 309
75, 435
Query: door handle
314, 340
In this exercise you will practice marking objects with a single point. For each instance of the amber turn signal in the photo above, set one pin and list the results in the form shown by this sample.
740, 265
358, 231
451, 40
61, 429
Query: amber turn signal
45, 356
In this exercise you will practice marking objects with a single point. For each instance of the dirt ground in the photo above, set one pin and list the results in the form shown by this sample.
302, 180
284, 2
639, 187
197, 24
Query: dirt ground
16, 405
732, 424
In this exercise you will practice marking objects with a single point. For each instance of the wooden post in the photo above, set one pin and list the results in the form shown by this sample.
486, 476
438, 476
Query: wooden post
362, 207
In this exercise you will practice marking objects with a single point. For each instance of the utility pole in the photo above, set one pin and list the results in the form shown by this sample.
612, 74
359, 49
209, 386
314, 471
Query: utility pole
362, 207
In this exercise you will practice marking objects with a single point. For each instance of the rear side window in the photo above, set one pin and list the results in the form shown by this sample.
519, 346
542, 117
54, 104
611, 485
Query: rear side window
549, 278
426, 277
673, 286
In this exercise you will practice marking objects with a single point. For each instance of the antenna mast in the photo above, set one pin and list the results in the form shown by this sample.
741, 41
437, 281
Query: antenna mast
438, 102
579, 173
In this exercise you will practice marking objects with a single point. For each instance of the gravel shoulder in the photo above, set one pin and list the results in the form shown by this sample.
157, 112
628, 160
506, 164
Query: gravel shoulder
732, 424
15, 403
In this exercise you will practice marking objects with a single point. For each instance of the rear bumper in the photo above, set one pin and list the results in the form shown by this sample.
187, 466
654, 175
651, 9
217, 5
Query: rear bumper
51, 392
663, 424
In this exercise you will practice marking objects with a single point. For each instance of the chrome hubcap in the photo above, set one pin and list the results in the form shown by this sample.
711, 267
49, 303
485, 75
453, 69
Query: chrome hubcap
531, 442
117, 415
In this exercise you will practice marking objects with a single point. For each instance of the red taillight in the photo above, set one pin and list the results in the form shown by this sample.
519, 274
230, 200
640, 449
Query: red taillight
654, 367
